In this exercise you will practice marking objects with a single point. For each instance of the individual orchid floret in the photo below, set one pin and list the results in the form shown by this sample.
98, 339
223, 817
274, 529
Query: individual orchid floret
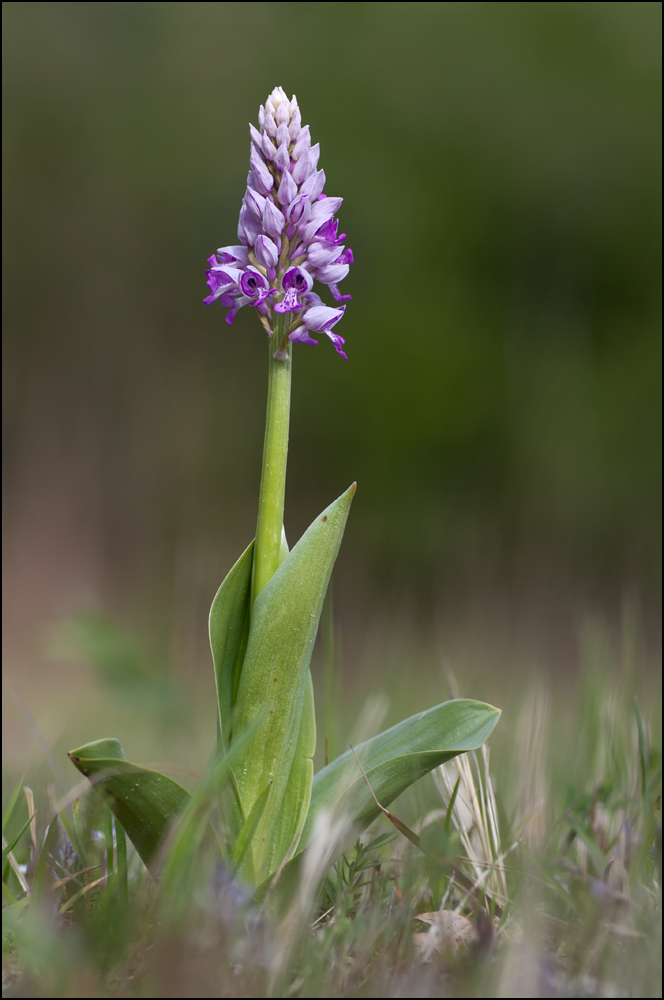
255, 286
233, 255
288, 234
295, 283
266, 252
220, 279
319, 318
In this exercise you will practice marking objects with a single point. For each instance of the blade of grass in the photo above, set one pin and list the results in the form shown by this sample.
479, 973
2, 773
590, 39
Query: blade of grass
450, 807
16, 869
110, 847
8, 847
401, 827
13, 799
121, 849
247, 832
86, 888
643, 750
43, 864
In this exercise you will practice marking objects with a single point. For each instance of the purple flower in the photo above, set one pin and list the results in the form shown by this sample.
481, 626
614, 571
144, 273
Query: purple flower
301, 169
332, 273
288, 234
313, 186
320, 319
231, 255
282, 159
295, 283
287, 190
248, 227
283, 135
254, 203
303, 143
263, 176
314, 156
295, 126
322, 211
235, 302
299, 211
255, 286
336, 294
266, 252
267, 147
273, 219
219, 279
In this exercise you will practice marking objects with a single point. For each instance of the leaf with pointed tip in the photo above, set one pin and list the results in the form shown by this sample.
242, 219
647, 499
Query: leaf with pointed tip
398, 757
144, 801
391, 761
274, 680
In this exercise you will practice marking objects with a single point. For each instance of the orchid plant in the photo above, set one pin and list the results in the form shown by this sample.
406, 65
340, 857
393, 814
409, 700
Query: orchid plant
265, 615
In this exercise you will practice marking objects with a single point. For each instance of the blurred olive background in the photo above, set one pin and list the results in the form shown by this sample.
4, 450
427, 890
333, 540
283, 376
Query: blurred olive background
500, 408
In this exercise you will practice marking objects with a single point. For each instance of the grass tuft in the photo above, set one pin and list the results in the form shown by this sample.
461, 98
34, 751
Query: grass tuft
541, 878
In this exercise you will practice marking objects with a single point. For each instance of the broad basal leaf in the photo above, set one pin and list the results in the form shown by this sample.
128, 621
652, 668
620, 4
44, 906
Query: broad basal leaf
392, 761
274, 679
396, 758
144, 801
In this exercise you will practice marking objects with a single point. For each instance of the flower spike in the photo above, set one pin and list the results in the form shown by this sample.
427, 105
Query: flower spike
287, 232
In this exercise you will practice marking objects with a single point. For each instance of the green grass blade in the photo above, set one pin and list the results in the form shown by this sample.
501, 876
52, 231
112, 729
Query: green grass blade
8, 897
228, 626
193, 828
247, 832
121, 848
450, 807
274, 679
144, 801
45, 858
12, 843
7, 814
643, 750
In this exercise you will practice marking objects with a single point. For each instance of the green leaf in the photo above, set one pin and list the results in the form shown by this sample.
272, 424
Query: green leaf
274, 681
396, 758
229, 626
144, 801
295, 803
392, 761
292, 816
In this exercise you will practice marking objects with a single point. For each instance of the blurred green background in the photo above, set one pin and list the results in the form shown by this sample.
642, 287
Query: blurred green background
500, 408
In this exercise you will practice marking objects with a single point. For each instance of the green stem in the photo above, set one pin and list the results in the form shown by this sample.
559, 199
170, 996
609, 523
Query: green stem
275, 455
